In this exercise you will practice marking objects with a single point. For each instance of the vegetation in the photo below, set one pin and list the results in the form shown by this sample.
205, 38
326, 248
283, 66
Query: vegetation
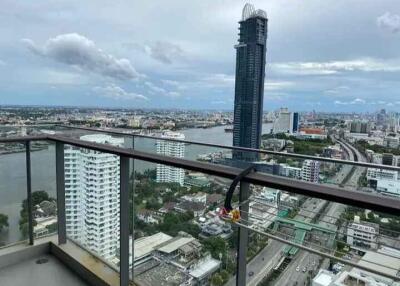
303, 146
3, 221
37, 198
390, 228
363, 145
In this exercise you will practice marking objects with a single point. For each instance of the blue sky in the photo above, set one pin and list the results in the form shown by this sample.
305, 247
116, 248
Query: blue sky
331, 55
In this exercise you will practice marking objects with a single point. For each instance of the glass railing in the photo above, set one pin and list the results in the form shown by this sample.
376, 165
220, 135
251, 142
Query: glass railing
176, 233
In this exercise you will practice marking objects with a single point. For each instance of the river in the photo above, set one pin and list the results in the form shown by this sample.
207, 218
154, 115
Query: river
13, 175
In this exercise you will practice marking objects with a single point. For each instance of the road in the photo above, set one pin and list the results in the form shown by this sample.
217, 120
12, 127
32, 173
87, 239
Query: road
263, 262
294, 274
329, 219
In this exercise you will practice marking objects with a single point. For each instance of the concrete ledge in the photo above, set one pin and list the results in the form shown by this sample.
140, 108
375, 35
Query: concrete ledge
89, 268
21, 252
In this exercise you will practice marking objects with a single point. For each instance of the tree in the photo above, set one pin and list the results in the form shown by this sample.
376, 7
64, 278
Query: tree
37, 198
215, 245
3, 221
224, 275
216, 280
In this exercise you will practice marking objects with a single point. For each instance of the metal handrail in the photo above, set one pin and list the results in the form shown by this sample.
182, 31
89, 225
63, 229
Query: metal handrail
268, 152
330, 193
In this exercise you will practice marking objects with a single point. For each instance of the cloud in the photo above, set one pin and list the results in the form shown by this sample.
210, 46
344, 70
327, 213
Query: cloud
355, 101
154, 89
2, 63
173, 83
335, 67
115, 92
219, 80
389, 22
78, 51
337, 90
164, 52
277, 85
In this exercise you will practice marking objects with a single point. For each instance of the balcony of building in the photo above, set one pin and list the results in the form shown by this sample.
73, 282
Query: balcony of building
286, 225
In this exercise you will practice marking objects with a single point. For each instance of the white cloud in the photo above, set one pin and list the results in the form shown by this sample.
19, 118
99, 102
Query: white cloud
78, 51
277, 85
334, 67
154, 89
389, 22
162, 51
219, 80
173, 83
337, 90
355, 101
115, 92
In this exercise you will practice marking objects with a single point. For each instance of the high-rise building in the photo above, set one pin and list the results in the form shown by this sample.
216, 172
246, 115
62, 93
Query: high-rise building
310, 171
168, 174
286, 122
249, 84
92, 196
295, 124
358, 126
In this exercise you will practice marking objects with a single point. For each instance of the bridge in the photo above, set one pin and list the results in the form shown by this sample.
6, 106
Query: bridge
301, 229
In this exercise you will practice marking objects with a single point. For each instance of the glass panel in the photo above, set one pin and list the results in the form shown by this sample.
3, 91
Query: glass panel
92, 189
366, 238
12, 193
179, 237
44, 195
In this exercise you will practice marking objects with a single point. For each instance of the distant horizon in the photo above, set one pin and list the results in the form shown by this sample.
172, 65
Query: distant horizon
2, 106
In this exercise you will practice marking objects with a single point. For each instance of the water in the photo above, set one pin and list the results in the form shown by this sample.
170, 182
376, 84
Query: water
13, 175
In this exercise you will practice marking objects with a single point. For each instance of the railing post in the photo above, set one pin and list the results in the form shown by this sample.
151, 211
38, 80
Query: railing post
29, 190
133, 210
60, 182
243, 236
124, 221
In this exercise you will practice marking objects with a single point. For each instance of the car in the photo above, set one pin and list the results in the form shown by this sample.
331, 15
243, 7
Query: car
251, 273
304, 269
298, 268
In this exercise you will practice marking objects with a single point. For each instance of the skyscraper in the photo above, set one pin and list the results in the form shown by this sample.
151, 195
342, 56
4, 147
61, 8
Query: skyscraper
249, 84
168, 174
92, 196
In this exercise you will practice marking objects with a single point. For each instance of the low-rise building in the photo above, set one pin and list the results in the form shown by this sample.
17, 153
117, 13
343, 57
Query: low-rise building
195, 198
185, 206
362, 234
323, 278
388, 187
203, 269
148, 216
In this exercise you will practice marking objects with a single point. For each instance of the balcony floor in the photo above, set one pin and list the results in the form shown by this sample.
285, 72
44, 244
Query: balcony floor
51, 273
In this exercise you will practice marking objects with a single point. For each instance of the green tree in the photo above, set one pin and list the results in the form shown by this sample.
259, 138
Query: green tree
224, 275
216, 280
3, 221
215, 245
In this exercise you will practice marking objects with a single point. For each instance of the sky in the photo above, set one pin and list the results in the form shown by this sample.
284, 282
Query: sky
331, 55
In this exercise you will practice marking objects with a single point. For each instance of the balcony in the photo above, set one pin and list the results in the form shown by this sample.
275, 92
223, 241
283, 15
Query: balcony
286, 224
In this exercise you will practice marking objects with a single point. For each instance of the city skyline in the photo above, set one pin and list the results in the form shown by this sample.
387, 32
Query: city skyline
330, 64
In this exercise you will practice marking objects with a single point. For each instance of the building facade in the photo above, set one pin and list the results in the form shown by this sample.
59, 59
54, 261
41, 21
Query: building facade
310, 171
168, 174
362, 234
249, 83
92, 196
